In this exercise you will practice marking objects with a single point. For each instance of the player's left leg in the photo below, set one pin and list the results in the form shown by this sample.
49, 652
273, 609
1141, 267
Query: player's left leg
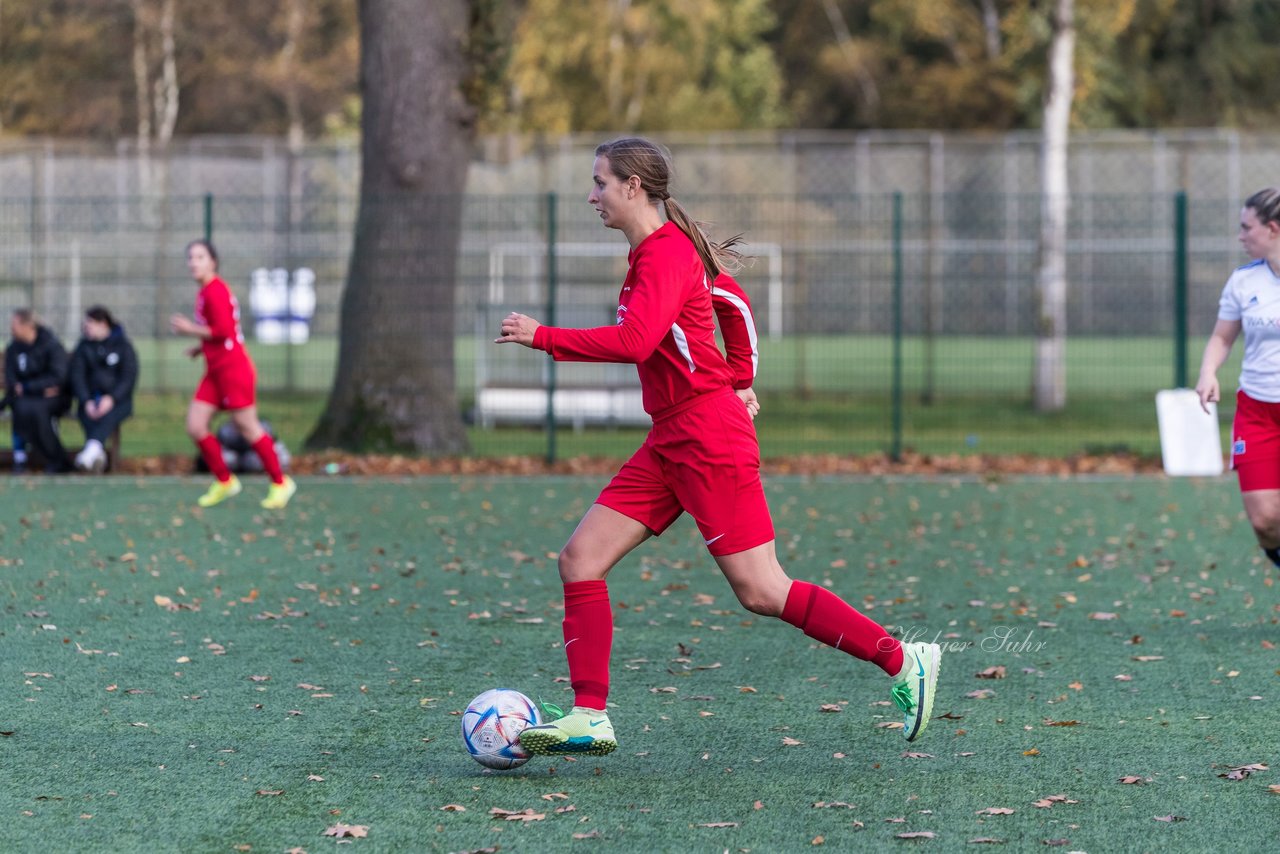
763, 587
250, 426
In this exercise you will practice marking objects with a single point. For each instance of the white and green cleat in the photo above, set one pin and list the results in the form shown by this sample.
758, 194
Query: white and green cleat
581, 731
914, 687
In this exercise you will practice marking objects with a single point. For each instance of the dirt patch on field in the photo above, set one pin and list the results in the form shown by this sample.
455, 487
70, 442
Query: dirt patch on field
819, 464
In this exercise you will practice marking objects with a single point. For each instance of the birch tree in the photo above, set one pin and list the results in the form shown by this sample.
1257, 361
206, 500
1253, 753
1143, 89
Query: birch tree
1050, 373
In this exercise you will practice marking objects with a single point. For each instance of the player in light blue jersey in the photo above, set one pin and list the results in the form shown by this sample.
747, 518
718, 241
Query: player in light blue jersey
1251, 303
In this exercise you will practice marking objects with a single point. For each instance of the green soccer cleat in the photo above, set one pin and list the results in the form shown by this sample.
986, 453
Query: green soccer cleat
219, 492
914, 688
278, 494
581, 731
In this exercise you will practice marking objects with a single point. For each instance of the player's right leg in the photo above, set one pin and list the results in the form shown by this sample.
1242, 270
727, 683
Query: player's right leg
199, 415
602, 538
1262, 506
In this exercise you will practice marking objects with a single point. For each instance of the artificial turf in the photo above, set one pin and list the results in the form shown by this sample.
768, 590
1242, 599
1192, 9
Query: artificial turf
306, 669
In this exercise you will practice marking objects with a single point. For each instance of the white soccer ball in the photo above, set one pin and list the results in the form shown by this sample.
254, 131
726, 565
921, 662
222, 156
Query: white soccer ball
492, 724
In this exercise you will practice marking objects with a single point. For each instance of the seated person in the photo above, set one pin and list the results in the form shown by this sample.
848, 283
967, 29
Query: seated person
35, 369
103, 372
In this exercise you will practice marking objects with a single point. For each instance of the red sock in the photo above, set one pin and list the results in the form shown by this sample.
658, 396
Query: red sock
824, 616
266, 448
588, 639
211, 450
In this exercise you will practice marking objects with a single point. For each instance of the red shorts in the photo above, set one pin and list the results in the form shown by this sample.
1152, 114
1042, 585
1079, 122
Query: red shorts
229, 388
706, 461
1255, 443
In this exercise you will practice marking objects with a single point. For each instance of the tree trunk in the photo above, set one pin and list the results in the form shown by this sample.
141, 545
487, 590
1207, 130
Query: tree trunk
394, 386
1050, 380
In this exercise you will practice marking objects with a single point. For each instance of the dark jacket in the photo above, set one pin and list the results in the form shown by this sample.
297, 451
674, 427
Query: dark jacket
37, 366
109, 366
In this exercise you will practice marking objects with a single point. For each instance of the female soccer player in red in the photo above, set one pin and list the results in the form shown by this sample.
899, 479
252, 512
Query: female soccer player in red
228, 383
701, 455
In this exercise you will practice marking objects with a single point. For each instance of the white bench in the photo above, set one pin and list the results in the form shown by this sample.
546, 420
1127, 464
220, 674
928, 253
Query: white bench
577, 406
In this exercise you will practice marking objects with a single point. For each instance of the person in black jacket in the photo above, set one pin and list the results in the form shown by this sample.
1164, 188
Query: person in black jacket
104, 370
35, 371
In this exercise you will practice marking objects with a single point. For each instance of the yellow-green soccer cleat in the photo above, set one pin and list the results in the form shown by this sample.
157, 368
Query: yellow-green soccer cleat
278, 494
581, 731
219, 492
914, 688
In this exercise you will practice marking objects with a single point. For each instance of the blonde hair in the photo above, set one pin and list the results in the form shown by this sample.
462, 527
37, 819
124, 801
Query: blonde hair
1266, 204
652, 165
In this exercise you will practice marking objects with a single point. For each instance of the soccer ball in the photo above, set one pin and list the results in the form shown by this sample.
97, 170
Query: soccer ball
492, 724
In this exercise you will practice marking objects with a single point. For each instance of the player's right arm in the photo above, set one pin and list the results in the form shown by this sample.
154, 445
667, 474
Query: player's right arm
1216, 351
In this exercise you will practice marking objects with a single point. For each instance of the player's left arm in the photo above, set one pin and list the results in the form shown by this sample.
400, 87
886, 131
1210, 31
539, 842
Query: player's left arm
738, 329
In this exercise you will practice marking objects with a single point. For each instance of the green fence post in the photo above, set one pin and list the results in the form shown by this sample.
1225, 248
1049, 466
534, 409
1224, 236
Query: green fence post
551, 321
208, 217
896, 451
1180, 290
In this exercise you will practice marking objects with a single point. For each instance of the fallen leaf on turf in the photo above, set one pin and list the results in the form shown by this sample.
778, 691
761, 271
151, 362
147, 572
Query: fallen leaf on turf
520, 815
981, 694
986, 840
1169, 818
1242, 772
1076, 686
830, 707
259, 678
1102, 615
995, 811
345, 831
566, 808
1273, 789
908, 754
453, 808
1123, 677
826, 805
1048, 722
670, 689
307, 686
791, 742
758, 805
889, 725
719, 824
315, 778
916, 834
1147, 657
1050, 800
556, 796
266, 792
1130, 780
996, 672
593, 834
1055, 843
746, 689
950, 717
1032, 752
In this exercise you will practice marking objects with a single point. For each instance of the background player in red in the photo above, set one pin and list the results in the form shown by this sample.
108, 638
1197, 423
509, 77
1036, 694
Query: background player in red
229, 382
700, 457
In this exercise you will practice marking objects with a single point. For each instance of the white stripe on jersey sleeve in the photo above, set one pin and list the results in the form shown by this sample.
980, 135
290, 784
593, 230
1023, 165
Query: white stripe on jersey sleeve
742, 307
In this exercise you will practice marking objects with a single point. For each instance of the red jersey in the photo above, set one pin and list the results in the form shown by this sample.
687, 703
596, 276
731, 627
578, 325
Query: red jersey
665, 326
216, 308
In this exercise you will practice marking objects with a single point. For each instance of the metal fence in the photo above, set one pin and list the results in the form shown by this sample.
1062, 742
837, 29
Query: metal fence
861, 300
83, 223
